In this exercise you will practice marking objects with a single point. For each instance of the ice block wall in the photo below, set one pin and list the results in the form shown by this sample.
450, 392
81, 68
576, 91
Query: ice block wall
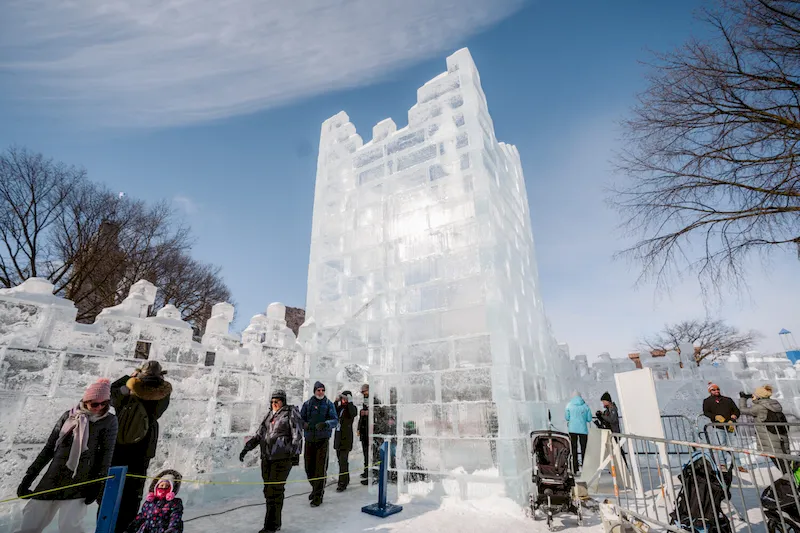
423, 271
682, 388
221, 386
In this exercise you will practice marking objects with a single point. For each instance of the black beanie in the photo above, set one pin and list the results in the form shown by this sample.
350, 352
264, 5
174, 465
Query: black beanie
606, 397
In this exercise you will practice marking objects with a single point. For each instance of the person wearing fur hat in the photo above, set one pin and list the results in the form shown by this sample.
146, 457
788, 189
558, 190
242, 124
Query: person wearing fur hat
280, 437
139, 400
319, 417
343, 438
771, 436
79, 449
162, 511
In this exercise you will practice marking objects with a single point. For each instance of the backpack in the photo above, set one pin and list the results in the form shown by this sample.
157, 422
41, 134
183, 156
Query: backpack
776, 418
133, 422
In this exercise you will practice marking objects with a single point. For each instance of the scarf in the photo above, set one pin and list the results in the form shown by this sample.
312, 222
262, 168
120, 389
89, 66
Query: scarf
77, 423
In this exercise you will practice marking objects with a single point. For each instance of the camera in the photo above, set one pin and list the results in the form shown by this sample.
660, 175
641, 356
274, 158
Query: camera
745, 395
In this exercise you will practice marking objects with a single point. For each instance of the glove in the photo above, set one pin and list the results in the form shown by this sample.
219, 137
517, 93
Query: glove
743, 394
241, 455
296, 460
24, 489
599, 414
731, 429
321, 426
720, 419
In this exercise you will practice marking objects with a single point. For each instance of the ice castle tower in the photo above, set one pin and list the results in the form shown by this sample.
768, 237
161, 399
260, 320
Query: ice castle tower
423, 272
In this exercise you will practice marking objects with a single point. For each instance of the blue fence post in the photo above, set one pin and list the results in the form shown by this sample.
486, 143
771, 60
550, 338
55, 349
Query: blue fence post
382, 509
112, 496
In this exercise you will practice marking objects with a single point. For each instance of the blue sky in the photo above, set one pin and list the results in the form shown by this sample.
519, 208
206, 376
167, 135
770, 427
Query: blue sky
217, 105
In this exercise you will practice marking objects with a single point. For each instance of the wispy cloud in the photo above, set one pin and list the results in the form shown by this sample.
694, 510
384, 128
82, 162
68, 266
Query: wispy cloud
168, 62
186, 204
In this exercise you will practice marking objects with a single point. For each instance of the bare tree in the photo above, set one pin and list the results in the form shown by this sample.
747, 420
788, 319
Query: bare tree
93, 244
34, 192
713, 148
709, 337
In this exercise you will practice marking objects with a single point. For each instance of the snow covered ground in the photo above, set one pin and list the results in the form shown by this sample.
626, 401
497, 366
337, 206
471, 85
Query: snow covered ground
341, 513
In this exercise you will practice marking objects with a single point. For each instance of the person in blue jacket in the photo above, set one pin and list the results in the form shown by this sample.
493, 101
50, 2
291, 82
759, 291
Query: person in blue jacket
578, 416
320, 419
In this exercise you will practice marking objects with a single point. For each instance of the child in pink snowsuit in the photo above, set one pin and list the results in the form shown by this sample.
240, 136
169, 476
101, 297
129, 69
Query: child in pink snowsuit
161, 512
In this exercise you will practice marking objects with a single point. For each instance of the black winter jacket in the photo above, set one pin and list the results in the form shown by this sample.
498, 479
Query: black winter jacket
719, 405
155, 399
93, 463
343, 438
280, 435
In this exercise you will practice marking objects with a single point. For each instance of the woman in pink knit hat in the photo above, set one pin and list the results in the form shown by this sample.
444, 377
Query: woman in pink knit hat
79, 449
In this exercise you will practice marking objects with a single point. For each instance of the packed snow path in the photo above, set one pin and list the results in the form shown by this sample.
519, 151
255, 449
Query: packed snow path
341, 513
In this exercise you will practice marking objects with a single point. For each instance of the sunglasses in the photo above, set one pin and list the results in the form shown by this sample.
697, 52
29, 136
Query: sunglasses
95, 405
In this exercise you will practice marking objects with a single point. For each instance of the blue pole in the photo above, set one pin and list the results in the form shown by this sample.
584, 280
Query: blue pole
112, 496
382, 509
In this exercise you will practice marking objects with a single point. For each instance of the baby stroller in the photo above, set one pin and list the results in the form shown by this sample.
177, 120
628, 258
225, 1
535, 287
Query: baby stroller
782, 513
703, 488
553, 478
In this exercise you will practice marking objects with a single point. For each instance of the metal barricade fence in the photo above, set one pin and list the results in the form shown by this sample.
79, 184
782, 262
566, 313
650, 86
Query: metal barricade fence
703, 487
778, 437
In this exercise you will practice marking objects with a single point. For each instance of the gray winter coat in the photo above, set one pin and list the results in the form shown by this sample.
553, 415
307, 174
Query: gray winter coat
93, 464
766, 440
280, 435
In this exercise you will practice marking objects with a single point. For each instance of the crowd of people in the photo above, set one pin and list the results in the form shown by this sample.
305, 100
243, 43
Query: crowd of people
116, 424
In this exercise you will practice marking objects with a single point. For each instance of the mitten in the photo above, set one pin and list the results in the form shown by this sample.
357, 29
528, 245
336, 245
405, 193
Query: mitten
24, 490
731, 429
720, 419
296, 460
242, 455
321, 426
598, 414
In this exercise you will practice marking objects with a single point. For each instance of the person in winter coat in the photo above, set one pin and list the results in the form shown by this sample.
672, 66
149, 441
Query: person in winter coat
319, 417
139, 400
162, 512
770, 435
578, 416
79, 449
718, 408
280, 437
363, 431
343, 438
609, 419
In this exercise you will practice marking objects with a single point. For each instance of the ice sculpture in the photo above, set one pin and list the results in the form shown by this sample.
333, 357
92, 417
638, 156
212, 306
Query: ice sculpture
423, 271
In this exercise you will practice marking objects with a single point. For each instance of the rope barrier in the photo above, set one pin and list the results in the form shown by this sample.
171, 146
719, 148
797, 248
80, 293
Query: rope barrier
29, 496
257, 483
199, 481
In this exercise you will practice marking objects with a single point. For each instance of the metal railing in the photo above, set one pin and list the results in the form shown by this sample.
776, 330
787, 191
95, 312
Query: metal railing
763, 436
704, 487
